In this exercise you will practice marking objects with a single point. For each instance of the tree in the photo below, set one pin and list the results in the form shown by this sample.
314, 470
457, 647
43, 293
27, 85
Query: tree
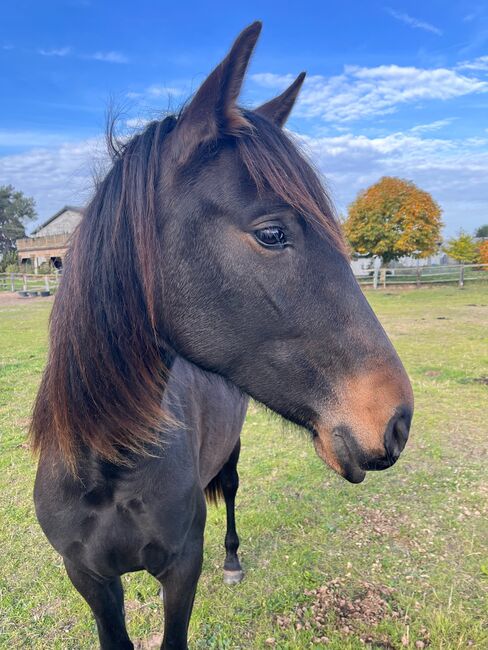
482, 232
483, 251
15, 210
393, 218
462, 248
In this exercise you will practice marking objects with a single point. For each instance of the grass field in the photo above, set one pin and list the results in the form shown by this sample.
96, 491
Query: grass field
398, 561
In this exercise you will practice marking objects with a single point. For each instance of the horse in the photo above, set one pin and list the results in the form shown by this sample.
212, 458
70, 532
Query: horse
208, 267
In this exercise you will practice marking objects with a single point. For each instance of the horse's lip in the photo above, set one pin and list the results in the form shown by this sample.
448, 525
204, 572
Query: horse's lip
352, 471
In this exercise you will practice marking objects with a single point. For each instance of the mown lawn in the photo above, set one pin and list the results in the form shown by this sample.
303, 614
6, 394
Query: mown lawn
402, 559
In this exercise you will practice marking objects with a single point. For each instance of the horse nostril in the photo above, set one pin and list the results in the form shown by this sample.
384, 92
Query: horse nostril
396, 435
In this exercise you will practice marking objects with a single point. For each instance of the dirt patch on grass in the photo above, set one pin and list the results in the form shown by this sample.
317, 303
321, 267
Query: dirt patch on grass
151, 643
7, 299
47, 609
390, 526
481, 380
333, 608
377, 522
432, 373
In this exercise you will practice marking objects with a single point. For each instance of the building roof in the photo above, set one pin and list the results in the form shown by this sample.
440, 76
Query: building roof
72, 208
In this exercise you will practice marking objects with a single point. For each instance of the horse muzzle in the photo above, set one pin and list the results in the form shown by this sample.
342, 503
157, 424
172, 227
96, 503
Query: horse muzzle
341, 449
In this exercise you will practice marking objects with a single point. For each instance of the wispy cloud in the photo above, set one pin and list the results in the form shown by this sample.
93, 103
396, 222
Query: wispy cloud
361, 92
155, 91
481, 64
60, 51
136, 122
437, 125
159, 91
415, 23
54, 175
108, 57
455, 171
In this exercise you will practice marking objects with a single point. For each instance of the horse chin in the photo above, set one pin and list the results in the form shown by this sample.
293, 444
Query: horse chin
339, 457
353, 473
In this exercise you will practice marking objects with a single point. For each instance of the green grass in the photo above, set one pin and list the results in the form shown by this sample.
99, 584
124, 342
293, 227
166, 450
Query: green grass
419, 528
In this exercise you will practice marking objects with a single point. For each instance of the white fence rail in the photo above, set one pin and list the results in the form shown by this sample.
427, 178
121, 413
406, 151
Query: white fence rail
29, 284
458, 274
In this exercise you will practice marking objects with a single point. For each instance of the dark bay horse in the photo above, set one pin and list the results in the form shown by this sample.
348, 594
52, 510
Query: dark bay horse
207, 267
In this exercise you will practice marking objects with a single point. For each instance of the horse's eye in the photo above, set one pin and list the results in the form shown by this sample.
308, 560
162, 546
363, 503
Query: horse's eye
271, 237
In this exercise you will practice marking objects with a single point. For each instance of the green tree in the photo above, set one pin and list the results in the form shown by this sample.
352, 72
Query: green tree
393, 218
15, 211
462, 248
482, 231
9, 262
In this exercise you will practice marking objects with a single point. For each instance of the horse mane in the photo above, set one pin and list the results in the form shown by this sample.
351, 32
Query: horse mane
105, 374
106, 371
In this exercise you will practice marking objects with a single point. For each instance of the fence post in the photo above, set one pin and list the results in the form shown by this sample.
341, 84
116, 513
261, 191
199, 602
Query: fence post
46, 282
461, 276
375, 278
12, 282
25, 282
418, 276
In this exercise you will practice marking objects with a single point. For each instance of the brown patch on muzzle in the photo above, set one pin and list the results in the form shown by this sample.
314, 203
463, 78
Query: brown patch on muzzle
351, 434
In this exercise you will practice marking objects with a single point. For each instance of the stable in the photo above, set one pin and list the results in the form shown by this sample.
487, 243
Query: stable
48, 243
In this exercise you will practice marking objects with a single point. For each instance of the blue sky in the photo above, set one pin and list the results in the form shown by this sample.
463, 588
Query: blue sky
398, 88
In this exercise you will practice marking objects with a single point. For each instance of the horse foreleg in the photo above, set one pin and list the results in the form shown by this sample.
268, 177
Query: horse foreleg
179, 584
106, 600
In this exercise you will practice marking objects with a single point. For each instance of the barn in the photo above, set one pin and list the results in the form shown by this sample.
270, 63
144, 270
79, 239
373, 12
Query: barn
48, 243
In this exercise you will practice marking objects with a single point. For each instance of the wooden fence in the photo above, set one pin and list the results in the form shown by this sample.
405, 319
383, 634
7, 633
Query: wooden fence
28, 283
423, 275
376, 278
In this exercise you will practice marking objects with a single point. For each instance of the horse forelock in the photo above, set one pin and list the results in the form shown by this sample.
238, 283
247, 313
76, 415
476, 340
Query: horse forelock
275, 162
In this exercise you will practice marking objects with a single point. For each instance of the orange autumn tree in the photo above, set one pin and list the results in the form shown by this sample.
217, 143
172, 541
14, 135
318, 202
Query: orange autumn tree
393, 218
483, 252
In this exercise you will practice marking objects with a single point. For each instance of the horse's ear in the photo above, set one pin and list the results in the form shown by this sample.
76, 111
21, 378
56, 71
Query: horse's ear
213, 109
278, 109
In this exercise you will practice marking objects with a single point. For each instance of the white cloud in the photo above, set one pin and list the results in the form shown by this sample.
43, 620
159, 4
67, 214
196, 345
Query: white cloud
362, 92
157, 91
481, 64
108, 57
414, 22
136, 122
454, 171
437, 125
54, 175
61, 51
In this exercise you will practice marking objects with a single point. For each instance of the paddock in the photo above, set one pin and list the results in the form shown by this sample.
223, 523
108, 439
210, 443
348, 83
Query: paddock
399, 561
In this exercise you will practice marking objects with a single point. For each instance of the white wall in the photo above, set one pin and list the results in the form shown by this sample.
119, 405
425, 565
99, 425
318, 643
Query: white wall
66, 222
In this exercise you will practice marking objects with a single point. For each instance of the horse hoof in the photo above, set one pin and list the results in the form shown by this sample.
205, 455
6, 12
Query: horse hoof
233, 577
